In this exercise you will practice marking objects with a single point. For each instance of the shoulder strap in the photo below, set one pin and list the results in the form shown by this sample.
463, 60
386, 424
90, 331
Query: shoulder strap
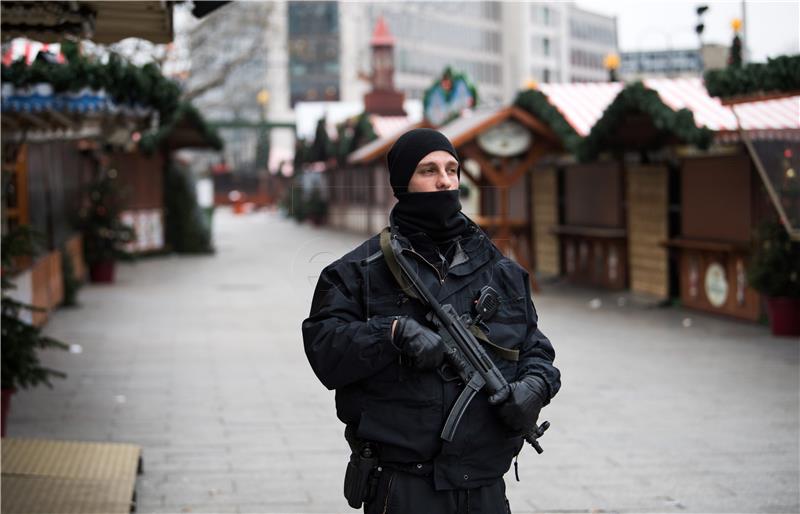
505, 353
394, 267
391, 262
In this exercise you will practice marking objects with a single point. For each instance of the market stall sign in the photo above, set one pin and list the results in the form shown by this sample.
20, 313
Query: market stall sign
448, 97
716, 285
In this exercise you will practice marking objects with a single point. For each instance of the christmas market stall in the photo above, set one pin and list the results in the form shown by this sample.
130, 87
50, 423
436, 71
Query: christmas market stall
764, 98
680, 194
578, 208
74, 126
723, 200
53, 125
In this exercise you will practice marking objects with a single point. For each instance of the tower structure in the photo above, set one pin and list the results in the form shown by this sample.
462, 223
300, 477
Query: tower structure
384, 99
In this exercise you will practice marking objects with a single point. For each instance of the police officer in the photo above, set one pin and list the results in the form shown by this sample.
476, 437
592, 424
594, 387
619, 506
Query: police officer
371, 342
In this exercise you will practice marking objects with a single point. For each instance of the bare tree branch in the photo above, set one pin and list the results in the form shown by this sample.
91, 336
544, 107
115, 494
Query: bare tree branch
223, 73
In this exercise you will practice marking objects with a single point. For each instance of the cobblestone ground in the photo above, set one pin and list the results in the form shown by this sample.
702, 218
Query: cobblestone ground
199, 360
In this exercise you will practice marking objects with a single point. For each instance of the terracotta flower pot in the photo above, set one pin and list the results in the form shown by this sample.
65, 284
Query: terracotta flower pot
784, 316
102, 272
6, 404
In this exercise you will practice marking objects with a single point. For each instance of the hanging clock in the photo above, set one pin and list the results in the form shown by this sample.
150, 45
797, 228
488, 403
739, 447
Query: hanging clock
506, 139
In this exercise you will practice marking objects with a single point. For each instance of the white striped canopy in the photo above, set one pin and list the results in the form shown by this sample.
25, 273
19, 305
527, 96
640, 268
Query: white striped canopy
582, 104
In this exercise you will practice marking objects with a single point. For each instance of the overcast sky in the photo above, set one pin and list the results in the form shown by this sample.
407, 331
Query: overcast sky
773, 27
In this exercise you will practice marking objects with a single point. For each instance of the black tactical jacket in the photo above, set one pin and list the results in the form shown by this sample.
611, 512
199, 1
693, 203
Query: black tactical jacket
347, 342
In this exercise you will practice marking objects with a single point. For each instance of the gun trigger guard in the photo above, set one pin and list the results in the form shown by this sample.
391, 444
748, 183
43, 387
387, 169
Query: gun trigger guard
447, 373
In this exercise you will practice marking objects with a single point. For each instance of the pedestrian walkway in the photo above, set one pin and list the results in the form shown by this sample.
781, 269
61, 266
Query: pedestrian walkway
199, 361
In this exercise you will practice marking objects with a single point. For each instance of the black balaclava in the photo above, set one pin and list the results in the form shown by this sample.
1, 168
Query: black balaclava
436, 214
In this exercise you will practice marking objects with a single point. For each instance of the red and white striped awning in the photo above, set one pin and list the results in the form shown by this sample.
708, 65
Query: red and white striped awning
583, 104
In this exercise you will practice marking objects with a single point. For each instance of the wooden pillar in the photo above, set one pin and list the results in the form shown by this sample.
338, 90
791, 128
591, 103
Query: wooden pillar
647, 194
544, 185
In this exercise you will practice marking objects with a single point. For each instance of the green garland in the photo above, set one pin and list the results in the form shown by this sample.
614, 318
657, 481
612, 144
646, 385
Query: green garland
125, 83
537, 104
637, 98
151, 141
778, 75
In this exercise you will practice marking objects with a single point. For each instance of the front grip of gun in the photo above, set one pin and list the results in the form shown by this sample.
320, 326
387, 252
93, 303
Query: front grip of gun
474, 385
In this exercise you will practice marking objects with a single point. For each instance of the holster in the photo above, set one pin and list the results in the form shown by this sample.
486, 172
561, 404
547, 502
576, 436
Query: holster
361, 477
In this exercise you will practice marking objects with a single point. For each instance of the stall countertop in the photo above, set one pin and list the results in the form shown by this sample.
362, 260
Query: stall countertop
705, 244
600, 232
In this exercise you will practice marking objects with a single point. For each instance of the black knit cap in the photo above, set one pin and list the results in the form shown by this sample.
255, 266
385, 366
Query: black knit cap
409, 149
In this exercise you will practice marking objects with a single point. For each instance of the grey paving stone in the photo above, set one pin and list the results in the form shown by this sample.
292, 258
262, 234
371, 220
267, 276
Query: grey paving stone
207, 352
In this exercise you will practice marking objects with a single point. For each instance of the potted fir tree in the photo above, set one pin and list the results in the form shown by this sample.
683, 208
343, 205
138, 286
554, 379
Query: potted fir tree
103, 232
21, 340
775, 272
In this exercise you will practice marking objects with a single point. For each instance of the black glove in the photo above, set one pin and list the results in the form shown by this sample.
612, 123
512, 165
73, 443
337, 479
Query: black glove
526, 398
421, 347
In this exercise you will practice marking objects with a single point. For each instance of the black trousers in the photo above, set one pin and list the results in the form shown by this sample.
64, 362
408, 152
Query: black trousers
400, 492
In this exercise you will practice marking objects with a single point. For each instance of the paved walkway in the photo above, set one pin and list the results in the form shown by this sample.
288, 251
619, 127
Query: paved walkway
199, 360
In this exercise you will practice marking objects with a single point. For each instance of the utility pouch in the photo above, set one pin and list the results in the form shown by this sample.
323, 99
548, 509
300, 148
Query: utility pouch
359, 479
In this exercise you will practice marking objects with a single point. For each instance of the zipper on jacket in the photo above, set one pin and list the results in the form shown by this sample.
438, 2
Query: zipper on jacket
438, 274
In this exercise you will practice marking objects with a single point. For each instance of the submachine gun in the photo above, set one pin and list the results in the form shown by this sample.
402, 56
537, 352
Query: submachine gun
464, 353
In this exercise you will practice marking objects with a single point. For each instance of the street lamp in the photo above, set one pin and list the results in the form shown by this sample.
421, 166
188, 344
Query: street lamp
611, 63
735, 58
262, 154
263, 99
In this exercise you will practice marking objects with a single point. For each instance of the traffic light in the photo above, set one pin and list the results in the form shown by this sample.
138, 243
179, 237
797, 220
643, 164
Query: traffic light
700, 27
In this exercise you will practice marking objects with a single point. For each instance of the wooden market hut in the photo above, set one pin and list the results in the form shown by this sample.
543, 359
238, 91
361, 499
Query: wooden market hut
142, 170
49, 157
47, 138
687, 191
54, 142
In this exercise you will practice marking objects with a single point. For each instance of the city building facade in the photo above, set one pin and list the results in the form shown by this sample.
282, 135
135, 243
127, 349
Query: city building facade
321, 51
672, 63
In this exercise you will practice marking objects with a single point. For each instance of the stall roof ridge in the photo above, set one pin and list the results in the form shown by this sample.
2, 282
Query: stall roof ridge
583, 104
